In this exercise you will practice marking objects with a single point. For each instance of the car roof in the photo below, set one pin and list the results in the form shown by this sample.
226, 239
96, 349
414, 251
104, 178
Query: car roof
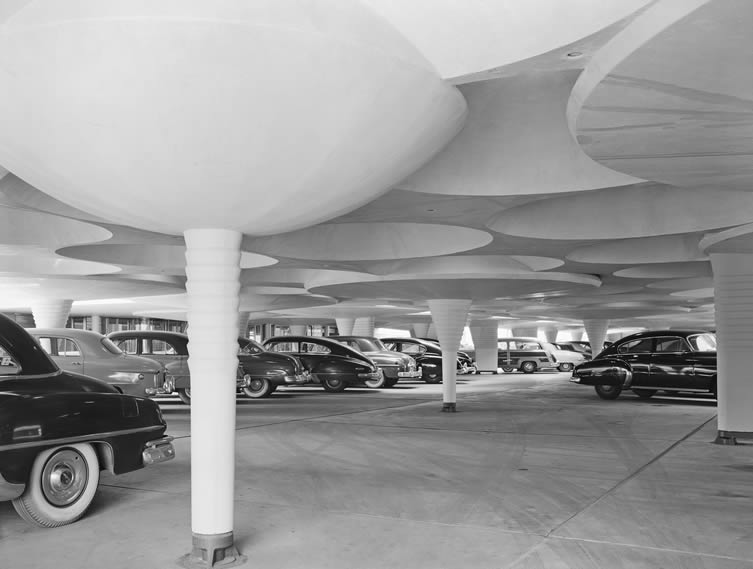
656, 333
334, 345
147, 334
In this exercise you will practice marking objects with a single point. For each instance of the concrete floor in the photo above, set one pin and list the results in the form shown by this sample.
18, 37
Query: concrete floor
532, 472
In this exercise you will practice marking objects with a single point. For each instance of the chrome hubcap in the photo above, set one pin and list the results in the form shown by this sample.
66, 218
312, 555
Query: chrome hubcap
64, 477
256, 385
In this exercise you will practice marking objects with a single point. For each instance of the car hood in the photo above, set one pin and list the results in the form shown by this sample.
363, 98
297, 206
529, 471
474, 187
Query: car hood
388, 357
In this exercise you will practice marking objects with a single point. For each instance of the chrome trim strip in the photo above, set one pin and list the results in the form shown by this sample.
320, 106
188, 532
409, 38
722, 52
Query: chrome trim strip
79, 439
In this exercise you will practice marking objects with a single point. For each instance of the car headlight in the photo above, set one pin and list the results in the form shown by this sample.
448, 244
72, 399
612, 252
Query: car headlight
126, 376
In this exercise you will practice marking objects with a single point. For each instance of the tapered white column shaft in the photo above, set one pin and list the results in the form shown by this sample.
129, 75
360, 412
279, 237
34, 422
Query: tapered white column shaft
484, 336
419, 330
243, 323
51, 312
449, 316
364, 326
213, 271
551, 334
733, 303
596, 329
345, 326
298, 329
525, 331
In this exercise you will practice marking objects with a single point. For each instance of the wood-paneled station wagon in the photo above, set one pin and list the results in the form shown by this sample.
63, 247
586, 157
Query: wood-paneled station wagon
647, 362
333, 365
58, 430
260, 372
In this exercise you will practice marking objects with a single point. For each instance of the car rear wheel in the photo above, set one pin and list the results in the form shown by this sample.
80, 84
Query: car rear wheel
565, 366
608, 391
528, 367
258, 387
185, 395
508, 369
333, 384
61, 486
645, 393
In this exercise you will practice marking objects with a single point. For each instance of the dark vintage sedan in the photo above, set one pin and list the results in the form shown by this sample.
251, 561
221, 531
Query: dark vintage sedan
427, 353
466, 363
260, 372
394, 365
333, 365
647, 362
58, 430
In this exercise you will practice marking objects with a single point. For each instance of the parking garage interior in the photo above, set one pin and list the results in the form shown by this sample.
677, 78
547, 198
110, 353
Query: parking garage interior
457, 171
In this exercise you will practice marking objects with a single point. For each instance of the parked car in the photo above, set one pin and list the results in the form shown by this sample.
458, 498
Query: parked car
259, 372
93, 354
647, 362
524, 354
427, 354
566, 359
58, 430
394, 365
465, 363
576, 346
331, 364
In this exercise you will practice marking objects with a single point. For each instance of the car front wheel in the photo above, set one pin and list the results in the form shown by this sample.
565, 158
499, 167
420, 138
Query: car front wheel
566, 366
528, 367
61, 486
333, 384
376, 383
258, 388
431, 376
608, 391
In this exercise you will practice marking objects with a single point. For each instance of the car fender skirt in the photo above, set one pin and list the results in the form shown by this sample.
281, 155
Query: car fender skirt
9, 490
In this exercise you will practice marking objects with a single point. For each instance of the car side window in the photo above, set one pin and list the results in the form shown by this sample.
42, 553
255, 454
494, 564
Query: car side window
128, 345
312, 348
68, 348
391, 346
161, 348
286, 347
670, 344
8, 364
410, 349
636, 346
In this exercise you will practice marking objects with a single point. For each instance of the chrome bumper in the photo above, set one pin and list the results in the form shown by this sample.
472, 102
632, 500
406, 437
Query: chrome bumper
158, 450
167, 388
410, 374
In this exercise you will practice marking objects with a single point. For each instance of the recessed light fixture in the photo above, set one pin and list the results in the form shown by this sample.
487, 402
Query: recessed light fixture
574, 54
431, 210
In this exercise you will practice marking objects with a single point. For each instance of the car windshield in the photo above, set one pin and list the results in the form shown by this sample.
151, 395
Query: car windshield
370, 345
703, 342
110, 347
248, 346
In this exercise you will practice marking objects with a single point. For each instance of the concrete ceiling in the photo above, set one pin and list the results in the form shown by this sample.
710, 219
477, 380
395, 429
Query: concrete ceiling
551, 162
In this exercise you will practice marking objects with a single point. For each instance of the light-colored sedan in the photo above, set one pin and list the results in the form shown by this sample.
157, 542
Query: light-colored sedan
90, 353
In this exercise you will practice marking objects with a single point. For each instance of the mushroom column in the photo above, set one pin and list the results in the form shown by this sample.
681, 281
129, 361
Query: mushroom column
733, 303
484, 335
364, 326
51, 313
449, 317
199, 104
596, 329
213, 286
